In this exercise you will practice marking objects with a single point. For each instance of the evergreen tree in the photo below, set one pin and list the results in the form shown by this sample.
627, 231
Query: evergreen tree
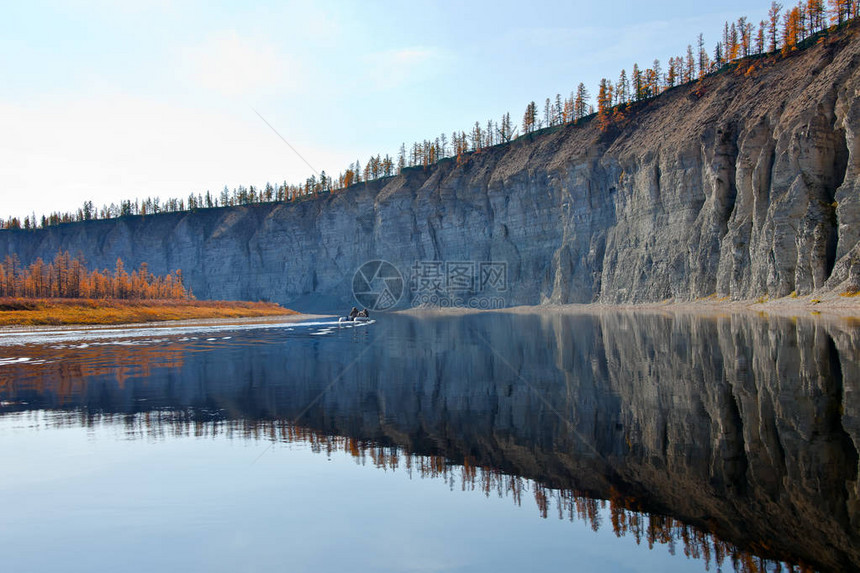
530, 118
773, 24
671, 74
760, 37
691, 64
581, 103
638, 84
622, 88
604, 102
745, 38
506, 131
401, 158
790, 30
557, 110
839, 11
657, 77
703, 56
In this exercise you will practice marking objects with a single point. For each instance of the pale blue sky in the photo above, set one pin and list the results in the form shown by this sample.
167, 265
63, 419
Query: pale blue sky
105, 100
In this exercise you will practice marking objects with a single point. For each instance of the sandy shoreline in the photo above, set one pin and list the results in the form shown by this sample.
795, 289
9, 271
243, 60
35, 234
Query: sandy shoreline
276, 319
829, 306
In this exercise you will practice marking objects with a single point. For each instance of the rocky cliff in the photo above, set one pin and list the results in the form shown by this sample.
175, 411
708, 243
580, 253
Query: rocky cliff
744, 184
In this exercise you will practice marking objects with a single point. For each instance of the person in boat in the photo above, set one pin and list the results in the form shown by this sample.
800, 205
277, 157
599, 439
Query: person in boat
353, 313
364, 314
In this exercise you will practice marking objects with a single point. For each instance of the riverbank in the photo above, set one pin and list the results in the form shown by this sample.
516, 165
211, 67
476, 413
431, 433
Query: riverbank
832, 305
59, 312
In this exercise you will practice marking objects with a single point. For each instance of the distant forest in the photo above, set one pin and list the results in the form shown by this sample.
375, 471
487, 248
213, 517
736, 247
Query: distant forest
67, 277
784, 31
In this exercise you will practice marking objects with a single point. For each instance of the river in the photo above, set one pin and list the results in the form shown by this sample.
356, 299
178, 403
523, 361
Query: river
613, 441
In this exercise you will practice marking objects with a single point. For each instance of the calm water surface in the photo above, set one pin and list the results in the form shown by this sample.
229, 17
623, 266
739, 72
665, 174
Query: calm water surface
489, 442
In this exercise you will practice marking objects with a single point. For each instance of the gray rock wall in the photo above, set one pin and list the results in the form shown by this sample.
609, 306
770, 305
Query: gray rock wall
742, 185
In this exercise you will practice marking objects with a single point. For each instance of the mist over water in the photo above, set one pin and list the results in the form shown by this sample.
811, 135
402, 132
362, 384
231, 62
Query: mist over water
670, 441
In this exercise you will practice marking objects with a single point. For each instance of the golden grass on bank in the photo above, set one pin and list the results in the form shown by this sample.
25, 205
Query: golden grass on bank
31, 312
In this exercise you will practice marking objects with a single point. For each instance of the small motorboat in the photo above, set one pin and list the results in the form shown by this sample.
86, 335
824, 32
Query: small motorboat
358, 319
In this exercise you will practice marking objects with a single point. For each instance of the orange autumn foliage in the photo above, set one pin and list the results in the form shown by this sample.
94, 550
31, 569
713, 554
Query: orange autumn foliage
67, 277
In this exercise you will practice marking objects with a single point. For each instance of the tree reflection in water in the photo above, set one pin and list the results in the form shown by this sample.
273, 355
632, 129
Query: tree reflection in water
730, 439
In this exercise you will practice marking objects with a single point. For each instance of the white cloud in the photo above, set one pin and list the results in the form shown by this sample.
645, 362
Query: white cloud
233, 65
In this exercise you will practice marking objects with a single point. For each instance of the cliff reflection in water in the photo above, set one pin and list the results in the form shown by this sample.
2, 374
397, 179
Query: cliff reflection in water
731, 436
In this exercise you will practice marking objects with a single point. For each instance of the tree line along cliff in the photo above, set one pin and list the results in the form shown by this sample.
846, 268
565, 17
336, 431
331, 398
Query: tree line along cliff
743, 184
782, 33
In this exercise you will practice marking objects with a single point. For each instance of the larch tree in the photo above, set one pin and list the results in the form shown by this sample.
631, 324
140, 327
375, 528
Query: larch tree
815, 13
839, 11
506, 131
773, 24
703, 56
657, 77
734, 43
691, 64
568, 113
638, 83
401, 158
744, 40
604, 102
791, 30
476, 136
622, 88
558, 110
671, 74
530, 117
581, 103
760, 37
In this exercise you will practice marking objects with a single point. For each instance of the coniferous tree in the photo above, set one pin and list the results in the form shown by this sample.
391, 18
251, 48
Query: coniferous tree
558, 111
581, 102
622, 88
691, 64
744, 40
567, 114
773, 24
638, 83
839, 10
401, 158
657, 78
703, 56
671, 74
814, 14
530, 118
604, 102
734, 43
507, 130
477, 137
760, 37
791, 30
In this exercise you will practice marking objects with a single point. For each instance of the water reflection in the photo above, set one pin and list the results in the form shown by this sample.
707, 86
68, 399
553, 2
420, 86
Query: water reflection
732, 438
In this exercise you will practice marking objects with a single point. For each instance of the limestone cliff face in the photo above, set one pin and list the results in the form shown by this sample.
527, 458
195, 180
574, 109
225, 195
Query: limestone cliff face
745, 184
